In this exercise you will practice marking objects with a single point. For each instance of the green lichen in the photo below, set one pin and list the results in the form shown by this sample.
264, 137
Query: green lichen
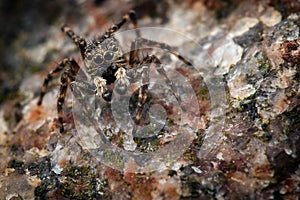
112, 157
292, 124
82, 183
248, 107
263, 63
149, 144
203, 94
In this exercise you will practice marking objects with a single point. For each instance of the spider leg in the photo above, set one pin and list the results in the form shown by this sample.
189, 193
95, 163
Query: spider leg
151, 43
143, 90
160, 68
79, 41
145, 83
61, 98
70, 73
131, 16
134, 54
66, 62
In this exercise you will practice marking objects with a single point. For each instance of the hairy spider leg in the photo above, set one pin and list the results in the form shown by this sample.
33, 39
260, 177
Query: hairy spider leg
159, 67
69, 73
131, 16
143, 90
79, 41
152, 43
52, 74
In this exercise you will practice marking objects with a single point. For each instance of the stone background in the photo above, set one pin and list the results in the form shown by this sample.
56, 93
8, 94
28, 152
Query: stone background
253, 45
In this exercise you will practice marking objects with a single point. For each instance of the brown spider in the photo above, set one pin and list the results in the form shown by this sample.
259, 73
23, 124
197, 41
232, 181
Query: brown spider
106, 65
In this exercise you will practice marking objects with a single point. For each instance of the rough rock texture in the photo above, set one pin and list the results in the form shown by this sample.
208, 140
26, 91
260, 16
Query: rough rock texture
246, 145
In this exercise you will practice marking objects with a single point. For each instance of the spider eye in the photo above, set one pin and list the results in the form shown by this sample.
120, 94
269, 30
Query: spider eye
114, 48
98, 59
108, 55
89, 56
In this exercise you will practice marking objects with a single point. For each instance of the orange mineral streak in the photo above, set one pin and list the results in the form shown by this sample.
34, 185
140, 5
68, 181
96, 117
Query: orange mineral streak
28, 138
63, 163
38, 113
281, 104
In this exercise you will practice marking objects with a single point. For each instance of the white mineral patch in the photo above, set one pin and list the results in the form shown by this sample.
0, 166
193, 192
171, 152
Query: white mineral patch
176, 166
197, 170
57, 169
12, 196
227, 54
285, 77
239, 88
243, 92
243, 25
37, 151
129, 144
271, 17
220, 156
280, 102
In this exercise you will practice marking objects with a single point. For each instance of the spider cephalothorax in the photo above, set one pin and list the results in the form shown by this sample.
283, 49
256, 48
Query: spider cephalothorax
105, 63
104, 58
108, 68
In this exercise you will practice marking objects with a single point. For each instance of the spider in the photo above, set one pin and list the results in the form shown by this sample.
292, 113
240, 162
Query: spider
107, 65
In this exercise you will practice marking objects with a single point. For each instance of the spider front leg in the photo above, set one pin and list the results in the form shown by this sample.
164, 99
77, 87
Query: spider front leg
131, 16
172, 50
52, 74
79, 41
69, 74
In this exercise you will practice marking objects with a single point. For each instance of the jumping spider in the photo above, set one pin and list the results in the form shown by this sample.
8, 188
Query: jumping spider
107, 65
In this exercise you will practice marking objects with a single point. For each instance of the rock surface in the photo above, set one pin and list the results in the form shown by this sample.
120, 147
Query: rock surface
246, 80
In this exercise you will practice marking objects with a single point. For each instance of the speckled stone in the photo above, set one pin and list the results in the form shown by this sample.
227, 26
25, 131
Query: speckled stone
246, 85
